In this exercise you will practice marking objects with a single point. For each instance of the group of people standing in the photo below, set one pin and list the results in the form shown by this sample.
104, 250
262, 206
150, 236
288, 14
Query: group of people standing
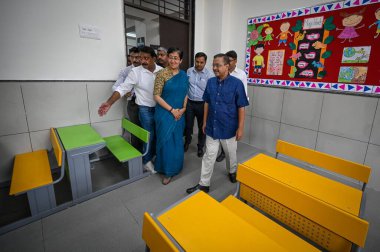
164, 100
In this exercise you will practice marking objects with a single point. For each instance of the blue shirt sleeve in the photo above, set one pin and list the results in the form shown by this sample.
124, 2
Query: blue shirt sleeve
206, 94
241, 97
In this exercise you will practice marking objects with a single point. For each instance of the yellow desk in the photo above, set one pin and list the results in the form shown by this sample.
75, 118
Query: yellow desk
332, 192
201, 223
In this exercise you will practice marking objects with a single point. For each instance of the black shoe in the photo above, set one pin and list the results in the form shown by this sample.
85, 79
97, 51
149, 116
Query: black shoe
220, 157
186, 147
206, 189
232, 177
200, 152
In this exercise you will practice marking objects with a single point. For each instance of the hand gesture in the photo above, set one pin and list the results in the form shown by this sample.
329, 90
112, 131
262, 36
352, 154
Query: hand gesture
103, 109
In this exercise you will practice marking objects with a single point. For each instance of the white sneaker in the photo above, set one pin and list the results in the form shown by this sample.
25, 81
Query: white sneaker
149, 167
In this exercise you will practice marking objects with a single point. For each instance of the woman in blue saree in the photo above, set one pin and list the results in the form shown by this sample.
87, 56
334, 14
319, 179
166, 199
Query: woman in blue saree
170, 92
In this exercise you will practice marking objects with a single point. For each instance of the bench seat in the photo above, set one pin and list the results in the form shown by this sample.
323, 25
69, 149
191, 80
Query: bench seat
121, 149
31, 170
268, 227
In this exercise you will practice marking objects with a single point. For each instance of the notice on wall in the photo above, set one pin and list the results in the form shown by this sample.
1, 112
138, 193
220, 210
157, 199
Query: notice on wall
275, 62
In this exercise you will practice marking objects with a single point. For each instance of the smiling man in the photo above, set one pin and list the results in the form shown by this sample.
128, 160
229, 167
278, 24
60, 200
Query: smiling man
223, 121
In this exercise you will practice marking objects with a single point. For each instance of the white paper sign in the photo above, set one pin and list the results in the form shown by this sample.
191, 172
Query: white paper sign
89, 31
313, 23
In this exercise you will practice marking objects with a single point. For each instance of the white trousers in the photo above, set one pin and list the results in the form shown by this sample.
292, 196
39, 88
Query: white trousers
208, 161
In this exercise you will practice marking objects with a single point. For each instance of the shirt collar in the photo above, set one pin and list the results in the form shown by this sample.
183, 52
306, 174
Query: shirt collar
203, 70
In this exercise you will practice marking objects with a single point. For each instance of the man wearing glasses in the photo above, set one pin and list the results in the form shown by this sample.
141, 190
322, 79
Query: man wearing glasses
141, 79
223, 123
241, 75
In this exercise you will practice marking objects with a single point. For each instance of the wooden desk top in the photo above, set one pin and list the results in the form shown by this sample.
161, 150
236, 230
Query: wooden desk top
200, 223
332, 192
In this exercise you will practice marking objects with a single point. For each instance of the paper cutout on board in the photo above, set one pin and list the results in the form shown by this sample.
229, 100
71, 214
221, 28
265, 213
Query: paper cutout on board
255, 34
352, 74
309, 49
349, 22
283, 35
258, 60
358, 54
275, 62
377, 22
268, 34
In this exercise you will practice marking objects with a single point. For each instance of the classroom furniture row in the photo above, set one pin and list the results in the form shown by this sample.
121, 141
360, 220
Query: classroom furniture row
278, 206
72, 150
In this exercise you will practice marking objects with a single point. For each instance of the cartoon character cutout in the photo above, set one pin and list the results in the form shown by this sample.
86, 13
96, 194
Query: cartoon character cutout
350, 21
268, 34
284, 33
377, 15
258, 60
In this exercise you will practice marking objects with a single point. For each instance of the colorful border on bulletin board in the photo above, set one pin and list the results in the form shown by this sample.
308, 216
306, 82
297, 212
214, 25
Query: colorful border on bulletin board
288, 71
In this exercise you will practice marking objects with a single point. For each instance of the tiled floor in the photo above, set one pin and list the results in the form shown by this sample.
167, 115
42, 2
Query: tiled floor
113, 221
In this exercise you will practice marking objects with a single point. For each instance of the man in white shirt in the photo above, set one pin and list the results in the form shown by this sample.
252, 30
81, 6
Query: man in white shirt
132, 107
141, 79
241, 75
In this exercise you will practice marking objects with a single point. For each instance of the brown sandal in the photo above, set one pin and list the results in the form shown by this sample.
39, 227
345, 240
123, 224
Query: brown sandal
166, 180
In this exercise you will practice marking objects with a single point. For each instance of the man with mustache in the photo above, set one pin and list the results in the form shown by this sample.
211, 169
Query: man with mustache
141, 79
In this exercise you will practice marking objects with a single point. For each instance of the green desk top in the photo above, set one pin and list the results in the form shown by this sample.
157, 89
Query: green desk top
78, 136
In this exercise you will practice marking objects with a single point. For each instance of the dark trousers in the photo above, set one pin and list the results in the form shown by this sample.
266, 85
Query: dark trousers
133, 114
194, 109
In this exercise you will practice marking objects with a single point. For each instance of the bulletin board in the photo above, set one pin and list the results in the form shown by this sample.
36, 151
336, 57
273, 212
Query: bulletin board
330, 47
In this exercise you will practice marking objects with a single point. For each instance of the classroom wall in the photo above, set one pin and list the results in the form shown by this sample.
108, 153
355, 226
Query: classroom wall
50, 77
344, 125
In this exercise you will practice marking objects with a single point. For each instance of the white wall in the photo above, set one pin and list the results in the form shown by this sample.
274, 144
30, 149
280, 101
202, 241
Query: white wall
40, 40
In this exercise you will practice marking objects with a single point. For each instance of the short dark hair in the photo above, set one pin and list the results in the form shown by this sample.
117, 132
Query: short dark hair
201, 54
149, 50
134, 50
177, 50
258, 46
232, 54
224, 56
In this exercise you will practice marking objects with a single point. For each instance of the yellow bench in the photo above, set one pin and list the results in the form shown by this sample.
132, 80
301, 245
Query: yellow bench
155, 237
32, 175
322, 210
282, 236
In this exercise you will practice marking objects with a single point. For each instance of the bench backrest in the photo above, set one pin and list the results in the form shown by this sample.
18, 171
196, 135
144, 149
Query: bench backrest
136, 130
58, 150
326, 225
338, 165
155, 237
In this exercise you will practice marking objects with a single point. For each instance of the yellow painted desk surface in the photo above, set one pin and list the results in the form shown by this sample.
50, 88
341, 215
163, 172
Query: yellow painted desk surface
332, 192
200, 223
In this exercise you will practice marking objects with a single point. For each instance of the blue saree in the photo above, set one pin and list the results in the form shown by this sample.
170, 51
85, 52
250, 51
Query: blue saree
169, 132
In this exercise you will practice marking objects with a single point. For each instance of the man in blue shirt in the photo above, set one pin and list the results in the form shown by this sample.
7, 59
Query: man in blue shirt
198, 77
223, 122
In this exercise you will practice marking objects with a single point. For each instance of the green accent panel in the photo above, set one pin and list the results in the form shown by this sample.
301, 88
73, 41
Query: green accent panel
136, 130
328, 40
121, 149
78, 136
